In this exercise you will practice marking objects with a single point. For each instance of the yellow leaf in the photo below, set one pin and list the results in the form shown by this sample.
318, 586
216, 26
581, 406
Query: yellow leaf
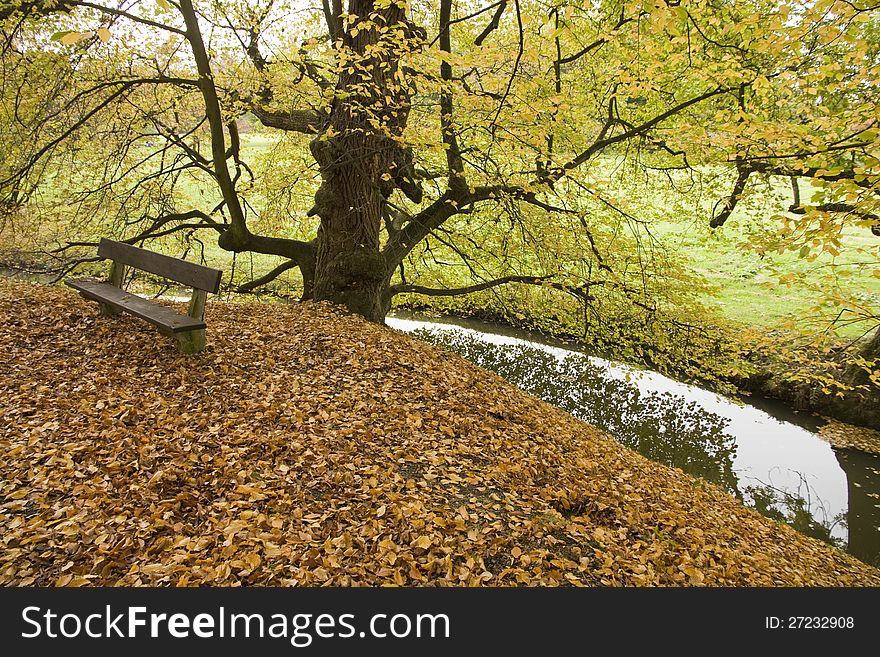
71, 38
104, 34
423, 542
164, 4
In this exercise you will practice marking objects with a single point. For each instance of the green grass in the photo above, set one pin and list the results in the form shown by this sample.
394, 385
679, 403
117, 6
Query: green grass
746, 285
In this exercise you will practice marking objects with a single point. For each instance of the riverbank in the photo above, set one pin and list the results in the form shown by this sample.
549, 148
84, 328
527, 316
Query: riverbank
763, 371
304, 447
769, 457
858, 405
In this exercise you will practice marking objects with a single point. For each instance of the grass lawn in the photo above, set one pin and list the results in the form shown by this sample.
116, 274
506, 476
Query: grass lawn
746, 284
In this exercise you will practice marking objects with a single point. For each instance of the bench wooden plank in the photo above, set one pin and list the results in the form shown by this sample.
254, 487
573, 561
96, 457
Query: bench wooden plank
188, 273
163, 317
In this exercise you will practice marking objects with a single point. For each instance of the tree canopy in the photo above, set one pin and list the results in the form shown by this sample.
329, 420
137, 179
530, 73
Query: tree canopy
506, 141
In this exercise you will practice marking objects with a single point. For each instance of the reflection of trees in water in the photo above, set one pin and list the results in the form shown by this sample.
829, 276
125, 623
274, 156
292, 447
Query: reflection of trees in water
795, 509
663, 427
669, 429
863, 510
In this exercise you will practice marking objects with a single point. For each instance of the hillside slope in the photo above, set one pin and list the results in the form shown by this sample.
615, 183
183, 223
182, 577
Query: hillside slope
304, 447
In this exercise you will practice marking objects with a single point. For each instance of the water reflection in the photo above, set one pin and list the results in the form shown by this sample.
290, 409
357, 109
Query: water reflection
863, 514
797, 510
637, 419
782, 470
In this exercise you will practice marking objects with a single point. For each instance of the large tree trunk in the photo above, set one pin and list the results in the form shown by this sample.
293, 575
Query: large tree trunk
349, 270
362, 159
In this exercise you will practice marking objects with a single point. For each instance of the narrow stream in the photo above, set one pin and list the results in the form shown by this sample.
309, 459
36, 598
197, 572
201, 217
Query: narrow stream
772, 459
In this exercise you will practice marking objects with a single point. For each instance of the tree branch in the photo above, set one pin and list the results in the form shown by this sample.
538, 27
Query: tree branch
818, 173
581, 292
597, 43
250, 286
603, 142
453, 152
297, 120
493, 24
836, 207
730, 202
421, 225
457, 291
333, 18
125, 14
33, 159
214, 113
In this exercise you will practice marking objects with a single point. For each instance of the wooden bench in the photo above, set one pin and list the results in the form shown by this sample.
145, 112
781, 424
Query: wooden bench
189, 329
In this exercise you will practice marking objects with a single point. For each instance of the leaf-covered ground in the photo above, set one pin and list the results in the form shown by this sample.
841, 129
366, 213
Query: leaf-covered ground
843, 435
308, 448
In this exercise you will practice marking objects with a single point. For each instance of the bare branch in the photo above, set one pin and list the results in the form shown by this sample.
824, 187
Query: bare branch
597, 43
304, 121
250, 286
603, 142
33, 159
451, 292
125, 14
580, 292
493, 24
214, 114
467, 17
731, 201
520, 49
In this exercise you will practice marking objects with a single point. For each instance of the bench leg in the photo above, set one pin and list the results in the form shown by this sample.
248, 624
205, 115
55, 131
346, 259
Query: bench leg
191, 342
117, 276
108, 311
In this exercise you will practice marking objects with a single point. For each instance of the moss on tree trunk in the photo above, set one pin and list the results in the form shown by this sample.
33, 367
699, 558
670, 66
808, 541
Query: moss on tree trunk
871, 350
361, 158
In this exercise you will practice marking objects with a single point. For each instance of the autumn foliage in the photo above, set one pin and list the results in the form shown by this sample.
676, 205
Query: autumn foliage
304, 447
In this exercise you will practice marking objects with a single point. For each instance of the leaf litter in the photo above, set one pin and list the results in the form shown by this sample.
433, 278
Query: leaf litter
305, 447
847, 436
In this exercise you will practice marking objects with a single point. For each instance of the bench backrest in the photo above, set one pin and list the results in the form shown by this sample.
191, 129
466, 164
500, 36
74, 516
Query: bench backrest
188, 273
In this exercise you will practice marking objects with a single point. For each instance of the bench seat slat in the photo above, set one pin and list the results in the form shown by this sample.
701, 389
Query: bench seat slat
163, 317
